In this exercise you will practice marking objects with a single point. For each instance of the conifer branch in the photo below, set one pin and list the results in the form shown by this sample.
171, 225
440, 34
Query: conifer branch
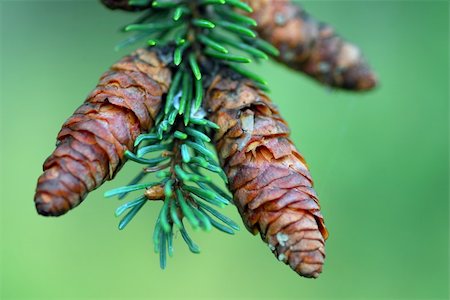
152, 108
202, 34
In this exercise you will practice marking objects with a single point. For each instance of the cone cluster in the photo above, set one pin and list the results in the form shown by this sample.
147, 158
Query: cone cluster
174, 99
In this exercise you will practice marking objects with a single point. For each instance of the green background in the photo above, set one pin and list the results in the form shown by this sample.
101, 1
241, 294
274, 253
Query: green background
379, 160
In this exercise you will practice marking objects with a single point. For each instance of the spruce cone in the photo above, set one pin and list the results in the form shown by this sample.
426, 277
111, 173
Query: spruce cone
123, 5
91, 144
268, 177
310, 46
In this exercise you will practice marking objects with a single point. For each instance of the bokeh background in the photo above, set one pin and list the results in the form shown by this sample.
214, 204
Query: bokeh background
380, 163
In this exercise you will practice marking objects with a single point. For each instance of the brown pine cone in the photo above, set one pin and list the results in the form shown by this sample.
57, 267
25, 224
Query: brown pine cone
268, 177
91, 144
311, 46
123, 5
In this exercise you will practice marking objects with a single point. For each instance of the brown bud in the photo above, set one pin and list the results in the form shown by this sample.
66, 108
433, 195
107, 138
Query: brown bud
268, 177
155, 192
92, 142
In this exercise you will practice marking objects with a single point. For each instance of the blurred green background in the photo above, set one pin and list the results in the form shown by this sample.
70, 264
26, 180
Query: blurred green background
380, 163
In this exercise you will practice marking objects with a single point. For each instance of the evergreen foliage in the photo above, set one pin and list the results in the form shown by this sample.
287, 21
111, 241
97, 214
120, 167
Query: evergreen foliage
202, 32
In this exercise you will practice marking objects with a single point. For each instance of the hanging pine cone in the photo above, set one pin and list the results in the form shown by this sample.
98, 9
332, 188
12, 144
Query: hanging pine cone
91, 144
310, 46
124, 5
268, 177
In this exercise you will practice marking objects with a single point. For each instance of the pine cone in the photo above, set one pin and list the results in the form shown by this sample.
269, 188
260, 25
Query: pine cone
268, 177
310, 46
91, 144
123, 5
